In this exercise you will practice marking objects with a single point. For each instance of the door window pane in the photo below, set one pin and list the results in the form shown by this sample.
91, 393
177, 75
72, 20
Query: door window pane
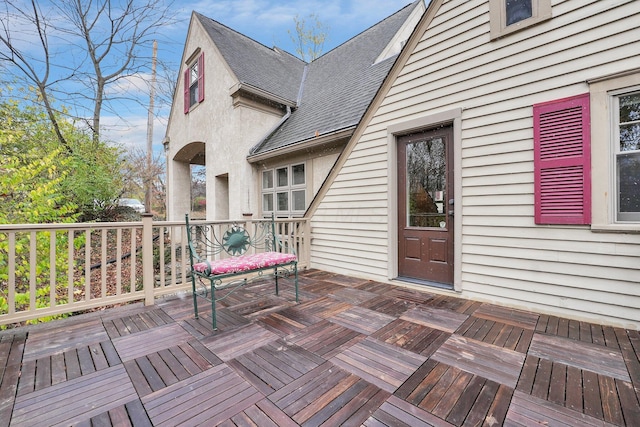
426, 178
283, 177
298, 174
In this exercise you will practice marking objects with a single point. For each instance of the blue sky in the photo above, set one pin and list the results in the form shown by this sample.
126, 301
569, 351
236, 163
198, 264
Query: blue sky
266, 21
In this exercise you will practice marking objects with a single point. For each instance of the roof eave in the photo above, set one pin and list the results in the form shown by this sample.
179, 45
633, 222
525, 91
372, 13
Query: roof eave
245, 87
306, 144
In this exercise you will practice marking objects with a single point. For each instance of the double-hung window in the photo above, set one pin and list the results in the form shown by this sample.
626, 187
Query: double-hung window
626, 138
284, 190
194, 83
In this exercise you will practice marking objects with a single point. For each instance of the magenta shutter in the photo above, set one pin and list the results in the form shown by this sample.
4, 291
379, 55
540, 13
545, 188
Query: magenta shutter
201, 77
186, 91
562, 161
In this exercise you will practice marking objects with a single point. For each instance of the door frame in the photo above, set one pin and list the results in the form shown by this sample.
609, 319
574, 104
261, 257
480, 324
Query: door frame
450, 117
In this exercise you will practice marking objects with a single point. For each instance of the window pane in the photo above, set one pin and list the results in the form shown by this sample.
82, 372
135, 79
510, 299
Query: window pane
630, 108
518, 10
267, 202
267, 179
630, 137
628, 166
298, 199
426, 177
283, 201
630, 122
193, 94
283, 177
194, 73
298, 174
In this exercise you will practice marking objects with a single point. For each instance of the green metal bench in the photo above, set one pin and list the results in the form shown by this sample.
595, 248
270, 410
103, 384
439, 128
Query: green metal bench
219, 254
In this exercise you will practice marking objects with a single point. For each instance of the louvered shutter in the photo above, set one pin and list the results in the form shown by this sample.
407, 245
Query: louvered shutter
201, 77
187, 104
562, 161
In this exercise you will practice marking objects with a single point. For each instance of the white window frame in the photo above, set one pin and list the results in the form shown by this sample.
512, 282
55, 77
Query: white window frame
615, 140
603, 146
267, 191
193, 97
289, 189
541, 11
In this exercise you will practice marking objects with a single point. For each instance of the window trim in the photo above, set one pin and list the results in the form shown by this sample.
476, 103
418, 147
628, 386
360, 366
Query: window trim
289, 189
187, 83
541, 11
614, 97
603, 174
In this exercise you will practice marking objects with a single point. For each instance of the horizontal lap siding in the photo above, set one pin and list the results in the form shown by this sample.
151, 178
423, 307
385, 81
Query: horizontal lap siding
568, 270
350, 226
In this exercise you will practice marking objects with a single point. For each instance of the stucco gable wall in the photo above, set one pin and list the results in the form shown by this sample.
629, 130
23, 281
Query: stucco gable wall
227, 131
504, 257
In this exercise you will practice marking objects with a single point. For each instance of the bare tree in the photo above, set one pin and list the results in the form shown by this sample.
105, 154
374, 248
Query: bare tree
137, 172
84, 47
309, 40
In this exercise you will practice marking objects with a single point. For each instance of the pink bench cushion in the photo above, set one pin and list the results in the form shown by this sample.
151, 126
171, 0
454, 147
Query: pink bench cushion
243, 263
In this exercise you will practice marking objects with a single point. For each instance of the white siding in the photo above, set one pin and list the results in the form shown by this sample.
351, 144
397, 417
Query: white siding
570, 271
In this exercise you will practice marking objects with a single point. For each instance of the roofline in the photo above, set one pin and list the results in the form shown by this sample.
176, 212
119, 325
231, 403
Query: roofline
306, 144
273, 48
374, 105
412, 4
261, 93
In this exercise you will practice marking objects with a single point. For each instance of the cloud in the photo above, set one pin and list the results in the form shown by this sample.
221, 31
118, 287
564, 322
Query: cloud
131, 132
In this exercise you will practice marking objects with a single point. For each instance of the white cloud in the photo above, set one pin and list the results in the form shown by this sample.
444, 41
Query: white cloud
131, 132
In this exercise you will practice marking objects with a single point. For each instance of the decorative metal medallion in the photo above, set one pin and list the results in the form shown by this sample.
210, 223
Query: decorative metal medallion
236, 241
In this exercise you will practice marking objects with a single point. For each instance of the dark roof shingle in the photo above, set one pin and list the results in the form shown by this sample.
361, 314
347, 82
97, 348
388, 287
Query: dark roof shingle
338, 86
271, 70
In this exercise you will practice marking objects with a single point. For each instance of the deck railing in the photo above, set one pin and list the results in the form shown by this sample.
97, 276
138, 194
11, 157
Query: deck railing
59, 269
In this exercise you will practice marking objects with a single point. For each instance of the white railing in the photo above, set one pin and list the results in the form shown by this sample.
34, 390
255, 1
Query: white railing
59, 269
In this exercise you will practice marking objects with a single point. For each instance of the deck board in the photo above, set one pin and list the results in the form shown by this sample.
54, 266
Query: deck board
362, 320
497, 364
12, 348
445, 320
412, 336
111, 387
530, 410
581, 355
351, 353
142, 343
384, 365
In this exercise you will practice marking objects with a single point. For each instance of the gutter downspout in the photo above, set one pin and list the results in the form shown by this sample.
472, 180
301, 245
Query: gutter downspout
256, 147
271, 131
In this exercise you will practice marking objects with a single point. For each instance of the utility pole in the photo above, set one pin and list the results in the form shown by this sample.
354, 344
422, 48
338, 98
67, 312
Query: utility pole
148, 177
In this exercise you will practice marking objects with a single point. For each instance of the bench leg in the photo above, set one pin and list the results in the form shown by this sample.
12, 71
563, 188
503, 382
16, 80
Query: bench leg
213, 307
195, 297
295, 268
275, 273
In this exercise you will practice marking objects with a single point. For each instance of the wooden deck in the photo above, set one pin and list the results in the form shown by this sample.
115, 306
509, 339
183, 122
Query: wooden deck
353, 352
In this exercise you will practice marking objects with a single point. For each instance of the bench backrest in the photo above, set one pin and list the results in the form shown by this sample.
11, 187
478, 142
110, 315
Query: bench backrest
207, 241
